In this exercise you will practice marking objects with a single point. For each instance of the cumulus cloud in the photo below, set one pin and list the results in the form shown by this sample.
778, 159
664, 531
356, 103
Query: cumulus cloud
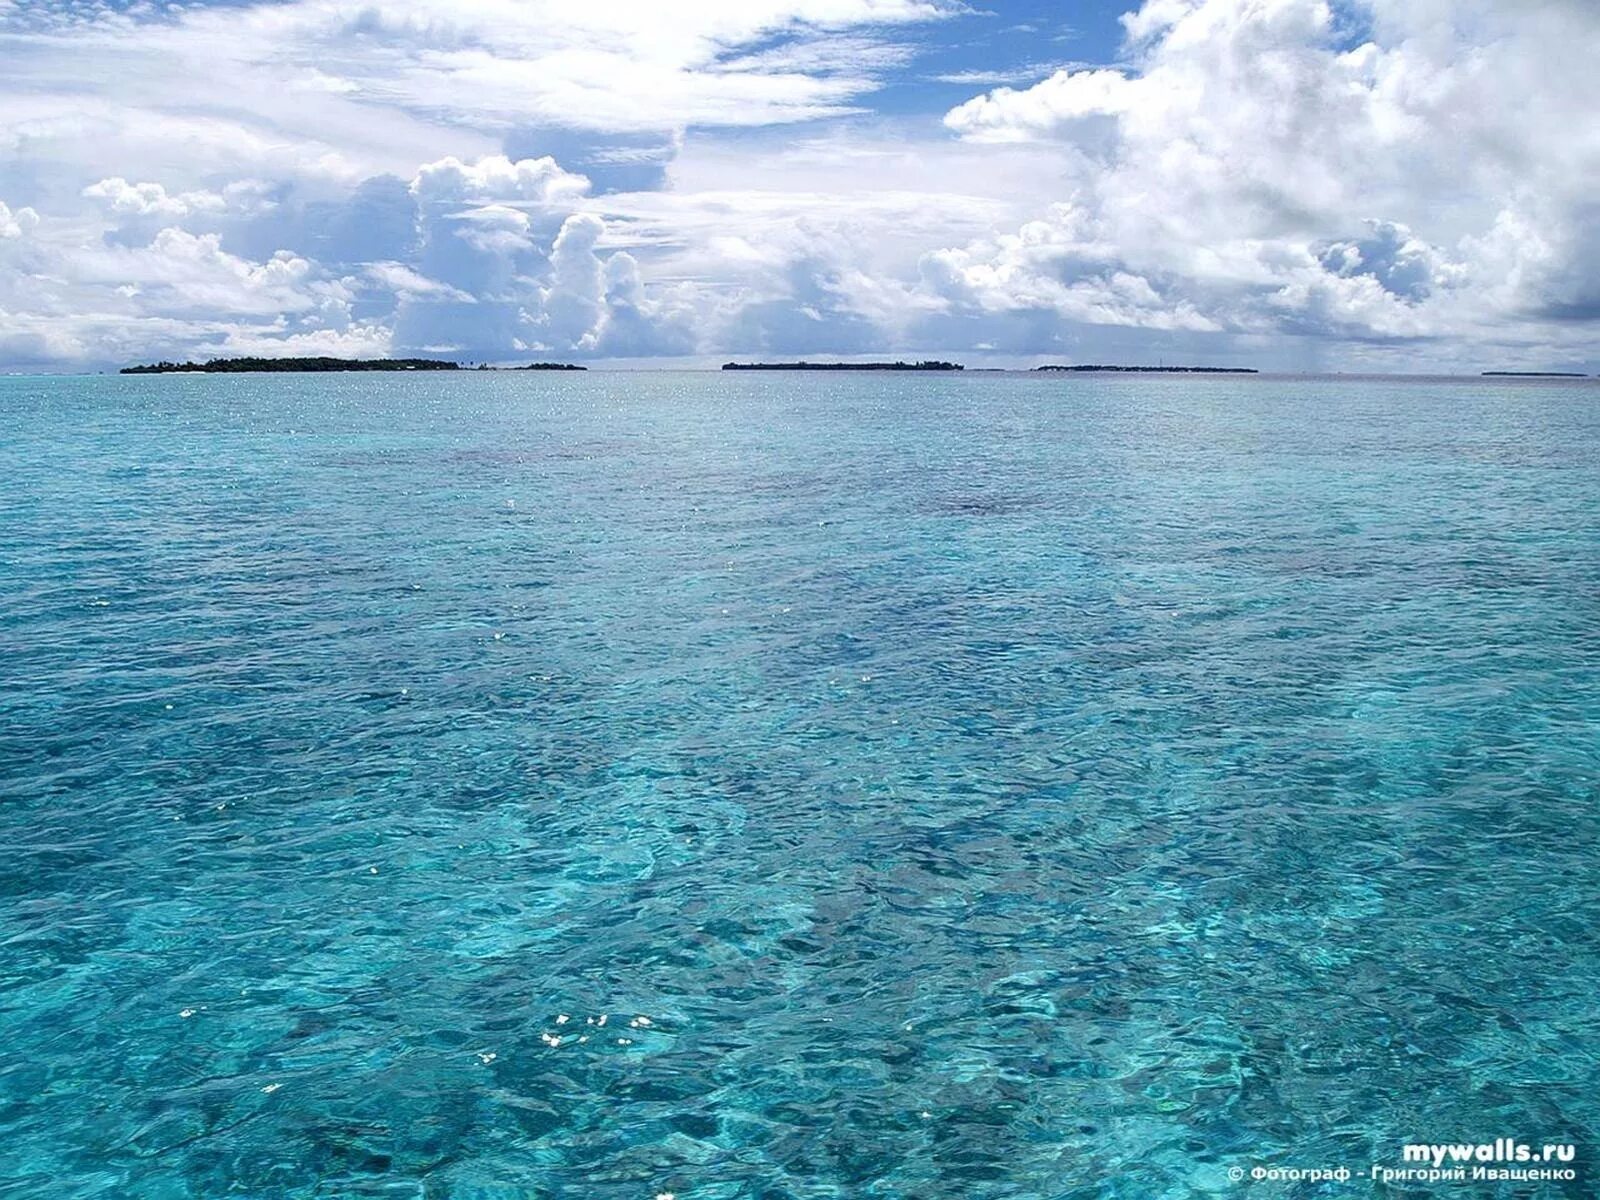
1400, 178
638, 324
1046, 108
1401, 263
65, 301
182, 272
517, 268
486, 258
151, 199
15, 224
575, 299
1256, 172
538, 181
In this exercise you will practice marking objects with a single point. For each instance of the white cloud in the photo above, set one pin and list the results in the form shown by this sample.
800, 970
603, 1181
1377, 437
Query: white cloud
249, 176
182, 272
335, 90
406, 284
514, 265
151, 199
1049, 266
994, 77
67, 298
1044, 109
360, 340
539, 181
15, 224
1259, 176
575, 299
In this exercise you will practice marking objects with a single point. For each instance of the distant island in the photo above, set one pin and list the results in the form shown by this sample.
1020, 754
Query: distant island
225, 366
929, 365
1536, 374
1089, 367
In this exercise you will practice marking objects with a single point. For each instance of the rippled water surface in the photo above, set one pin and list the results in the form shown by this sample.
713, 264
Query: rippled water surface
792, 786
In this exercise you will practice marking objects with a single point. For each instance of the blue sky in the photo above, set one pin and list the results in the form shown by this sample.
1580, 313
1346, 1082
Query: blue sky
1289, 184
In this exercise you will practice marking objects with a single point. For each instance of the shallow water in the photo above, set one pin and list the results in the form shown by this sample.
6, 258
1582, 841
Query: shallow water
987, 786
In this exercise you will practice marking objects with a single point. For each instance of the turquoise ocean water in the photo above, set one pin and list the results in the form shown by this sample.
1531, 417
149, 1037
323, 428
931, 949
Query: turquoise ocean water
944, 787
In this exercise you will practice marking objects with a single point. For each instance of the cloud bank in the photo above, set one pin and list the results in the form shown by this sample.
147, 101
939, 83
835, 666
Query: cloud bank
1397, 184
1257, 173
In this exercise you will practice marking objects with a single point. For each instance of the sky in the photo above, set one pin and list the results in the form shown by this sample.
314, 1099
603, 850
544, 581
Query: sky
1311, 185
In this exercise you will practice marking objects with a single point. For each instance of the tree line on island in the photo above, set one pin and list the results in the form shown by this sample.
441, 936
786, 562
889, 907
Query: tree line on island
227, 366
1094, 367
926, 365
223, 366
941, 365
